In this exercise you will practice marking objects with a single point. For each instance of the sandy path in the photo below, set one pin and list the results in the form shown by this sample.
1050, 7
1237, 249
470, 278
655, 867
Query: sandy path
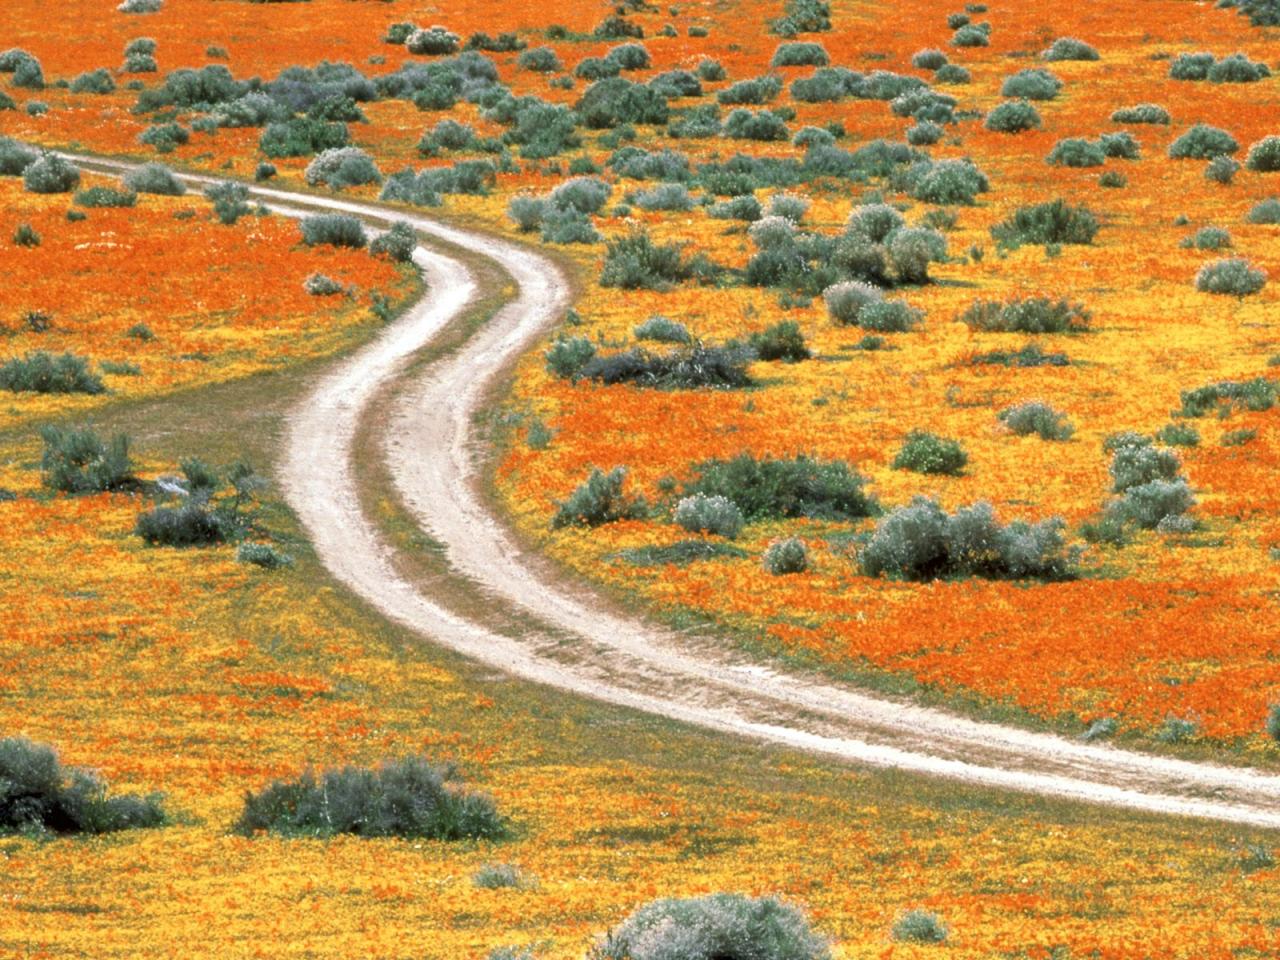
574, 641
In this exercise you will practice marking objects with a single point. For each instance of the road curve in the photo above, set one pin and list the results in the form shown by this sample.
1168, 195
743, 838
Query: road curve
575, 642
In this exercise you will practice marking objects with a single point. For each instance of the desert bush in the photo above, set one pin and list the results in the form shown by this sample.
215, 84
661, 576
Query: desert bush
498, 876
761, 125
1032, 84
1237, 68
924, 103
801, 16
786, 556
1069, 48
599, 500
925, 452
434, 41
1178, 435
782, 341
262, 555
154, 178
754, 91
527, 212
920, 926
301, 137
922, 542
617, 28
410, 798
230, 200
567, 355
140, 6
1191, 66
664, 196
1203, 142
697, 366
333, 229
251, 110
912, 249
1053, 222
1142, 113
1208, 238
106, 197
663, 330
50, 174
340, 167
190, 524
165, 137
1135, 462
42, 372
1036, 417
1235, 276
1031, 355
397, 243
875, 221
77, 460
568, 227
94, 81
596, 68
1013, 116
714, 927
952, 73
140, 47
540, 60
827, 85
1113, 179
800, 54
847, 301
1256, 394
26, 236
28, 75
947, 182
1027, 315
928, 59
1265, 211
1076, 152
1121, 145
634, 262
630, 56
773, 489
789, 206
971, 35
674, 84
39, 795
15, 157
319, 285
703, 514
616, 100
1222, 170
745, 207
924, 134
711, 70
1264, 156
1148, 505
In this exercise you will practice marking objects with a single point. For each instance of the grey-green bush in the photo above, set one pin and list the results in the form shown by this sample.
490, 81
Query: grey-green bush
925, 452
1264, 156
42, 372
1222, 170
928, 59
262, 555
1123, 145
1238, 68
154, 178
1037, 417
333, 229
709, 514
540, 60
1013, 116
1076, 152
341, 167
1208, 238
1265, 211
1069, 48
51, 174
800, 55
846, 301
663, 330
106, 197
1053, 222
786, 556
1027, 315
1203, 142
15, 157
599, 500
1032, 84
397, 243
920, 926
1142, 113
568, 355
773, 489
1235, 276
319, 285
912, 249
77, 460
714, 927
1191, 66
434, 41
94, 81
634, 262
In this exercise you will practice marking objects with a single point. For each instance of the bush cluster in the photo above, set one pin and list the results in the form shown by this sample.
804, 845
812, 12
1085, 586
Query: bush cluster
1032, 84
43, 372
1203, 142
340, 167
681, 369
599, 500
51, 174
1234, 276
1069, 48
1142, 113
1013, 116
1152, 493
1026, 315
334, 229
773, 489
786, 556
154, 178
1047, 223
709, 514
77, 460
925, 452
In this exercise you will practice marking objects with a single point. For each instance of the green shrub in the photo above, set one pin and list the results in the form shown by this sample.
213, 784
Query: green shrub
410, 798
926, 452
1178, 435
41, 796
1113, 179
51, 174
629, 56
498, 876
1221, 170
703, 514
1203, 142
1191, 66
1256, 394
1013, 116
755, 125
922, 542
568, 355
106, 197
875, 221
301, 137
1027, 315
1142, 113
697, 366
920, 926
952, 73
434, 41
1134, 462
1039, 418
340, 167
140, 6
663, 330
1148, 505
773, 489
334, 229
1121, 145
924, 134
782, 341
1265, 211
1273, 723
846, 301
540, 60
42, 372
682, 553
928, 59
711, 70
77, 460
616, 100
714, 927
1238, 438
663, 196
599, 500
319, 285
745, 207
1237, 68
786, 556
1053, 222
230, 200
634, 262
947, 182
889, 316
1031, 355
1234, 276
1033, 84
94, 81
192, 524
971, 35
26, 236
1076, 152
153, 178
1069, 48
1264, 156
397, 243
15, 157
800, 55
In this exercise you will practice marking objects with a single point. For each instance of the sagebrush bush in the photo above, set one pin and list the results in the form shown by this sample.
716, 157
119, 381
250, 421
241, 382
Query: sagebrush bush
684, 369
630, 56
165, 137
1264, 156
800, 54
782, 341
106, 197
616, 100
1148, 505
755, 91
789, 206
912, 249
875, 221
434, 41
920, 926
51, 174
847, 300
762, 125
333, 229
1037, 417
971, 35
1256, 394
924, 134
1142, 113
302, 136
786, 556
1121, 145
568, 355
925, 452
889, 316
922, 542
1069, 48
94, 81
1032, 84
1203, 142
497, 876
664, 196
583, 194
527, 212
599, 500
771, 489
42, 372
1013, 116
1053, 222
715, 927
1031, 355
77, 460
1027, 315
262, 555
709, 514
928, 59
663, 330
191, 524
1135, 461
342, 167
1208, 238
319, 285
39, 795
745, 207
1222, 170
410, 798
396, 243
1234, 276
230, 200
1237, 68
26, 236
540, 60
634, 262
140, 6
1178, 435
952, 73
15, 157
1265, 211
154, 178
1076, 152
947, 182
1191, 66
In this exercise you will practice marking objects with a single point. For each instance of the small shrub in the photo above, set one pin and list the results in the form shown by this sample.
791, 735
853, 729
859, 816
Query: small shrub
1234, 276
928, 59
568, 355
635, 262
713, 927
1033, 84
786, 556
711, 70
1176, 730
77, 460
1032, 355
51, 174
1142, 113
1069, 48
1203, 142
154, 178
801, 55
1178, 435
662, 330
664, 196
952, 73
410, 798
165, 137
1222, 170
1027, 315
745, 207
720, 367
761, 125
1264, 156
1147, 505
301, 137
912, 249
922, 542
189, 525
1113, 180
1256, 394
42, 372
1191, 66
629, 56
920, 926
262, 555
342, 167
782, 341
396, 244
527, 212
1121, 145
971, 35
925, 452
789, 206
1035, 417
498, 876
889, 316
15, 157
583, 194
599, 500
1013, 116
318, 285
947, 182
1273, 722
924, 134
26, 236
106, 197
1238, 438
709, 514
1076, 152
94, 81
540, 60
140, 6
1237, 68
846, 301
230, 201
1053, 222
776, 489
334, 229
1265, 211
435, 41
41, 796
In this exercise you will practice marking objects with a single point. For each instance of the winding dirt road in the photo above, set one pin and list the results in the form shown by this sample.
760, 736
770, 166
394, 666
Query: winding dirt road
572, 640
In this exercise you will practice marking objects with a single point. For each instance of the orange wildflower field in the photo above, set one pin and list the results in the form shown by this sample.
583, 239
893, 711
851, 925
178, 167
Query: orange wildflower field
1141, 309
